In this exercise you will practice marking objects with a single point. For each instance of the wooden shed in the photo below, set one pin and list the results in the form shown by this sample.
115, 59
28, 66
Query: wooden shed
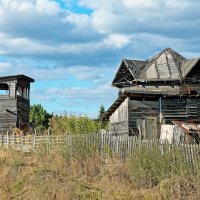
157, 91
14, 101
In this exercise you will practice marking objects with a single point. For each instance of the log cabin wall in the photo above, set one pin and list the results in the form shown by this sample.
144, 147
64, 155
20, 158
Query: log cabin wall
8, 113
147, 115
181, 109
119, 120
8, 110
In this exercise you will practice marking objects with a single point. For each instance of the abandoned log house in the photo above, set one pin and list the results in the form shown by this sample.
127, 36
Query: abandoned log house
14, 101
154, 92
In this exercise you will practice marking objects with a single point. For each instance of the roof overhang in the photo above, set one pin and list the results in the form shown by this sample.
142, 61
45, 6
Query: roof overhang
131, 93
16, 77
187, 67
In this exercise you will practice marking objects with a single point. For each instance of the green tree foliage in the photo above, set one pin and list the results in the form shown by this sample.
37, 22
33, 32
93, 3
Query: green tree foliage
104, 124
101, 112
39, 116
72, 124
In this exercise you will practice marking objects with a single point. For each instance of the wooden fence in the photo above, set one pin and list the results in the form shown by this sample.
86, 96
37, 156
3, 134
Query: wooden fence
106, 144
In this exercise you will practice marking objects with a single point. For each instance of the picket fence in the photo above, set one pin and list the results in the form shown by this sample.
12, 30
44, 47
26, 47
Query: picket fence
120, 146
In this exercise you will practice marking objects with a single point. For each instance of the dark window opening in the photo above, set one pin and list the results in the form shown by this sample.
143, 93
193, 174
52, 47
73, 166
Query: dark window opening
136, 98
4, 89
151, 98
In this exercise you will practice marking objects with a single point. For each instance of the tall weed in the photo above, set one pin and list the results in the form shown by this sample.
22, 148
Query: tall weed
149, 167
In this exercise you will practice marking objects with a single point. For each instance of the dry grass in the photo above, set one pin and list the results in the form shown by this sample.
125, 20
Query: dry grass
60, 175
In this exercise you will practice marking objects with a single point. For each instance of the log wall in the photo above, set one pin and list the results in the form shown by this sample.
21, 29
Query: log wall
8, 113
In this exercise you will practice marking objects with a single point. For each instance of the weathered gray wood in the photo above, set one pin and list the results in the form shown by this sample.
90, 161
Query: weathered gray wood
108, 145
14, 109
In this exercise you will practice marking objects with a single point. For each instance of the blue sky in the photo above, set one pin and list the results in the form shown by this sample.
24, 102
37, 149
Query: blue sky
73, 48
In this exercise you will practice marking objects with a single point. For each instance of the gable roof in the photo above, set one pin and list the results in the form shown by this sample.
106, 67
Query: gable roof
128, 70
167, 65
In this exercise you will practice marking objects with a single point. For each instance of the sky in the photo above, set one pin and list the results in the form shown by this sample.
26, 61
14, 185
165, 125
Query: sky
73, 48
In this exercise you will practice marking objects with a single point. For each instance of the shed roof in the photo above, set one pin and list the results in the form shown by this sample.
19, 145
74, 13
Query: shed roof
187, 127
16, 77
167, 65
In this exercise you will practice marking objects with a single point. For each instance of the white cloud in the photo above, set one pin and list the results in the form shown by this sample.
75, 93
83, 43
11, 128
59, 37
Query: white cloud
161, 16
48, 7
45, 72
117, 41
99, 93
46, 41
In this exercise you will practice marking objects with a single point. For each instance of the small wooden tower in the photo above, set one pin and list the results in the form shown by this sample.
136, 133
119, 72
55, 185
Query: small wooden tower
14, 101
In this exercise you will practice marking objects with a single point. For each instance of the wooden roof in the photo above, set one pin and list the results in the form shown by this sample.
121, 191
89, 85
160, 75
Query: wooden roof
128, 70
16, 77
167, 65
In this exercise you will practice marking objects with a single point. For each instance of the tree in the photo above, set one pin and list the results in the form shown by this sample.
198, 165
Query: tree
101, 112
39, 116
103, 123
72, 124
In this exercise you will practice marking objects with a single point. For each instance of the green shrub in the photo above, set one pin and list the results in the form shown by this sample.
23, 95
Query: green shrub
72, 124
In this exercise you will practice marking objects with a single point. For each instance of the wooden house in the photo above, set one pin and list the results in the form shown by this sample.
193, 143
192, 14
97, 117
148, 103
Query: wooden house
14, 101
153, 92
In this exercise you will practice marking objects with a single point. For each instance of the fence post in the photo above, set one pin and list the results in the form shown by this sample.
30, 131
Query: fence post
21, 137
34, 142
2, 140
7, 140
49, 139
13, 139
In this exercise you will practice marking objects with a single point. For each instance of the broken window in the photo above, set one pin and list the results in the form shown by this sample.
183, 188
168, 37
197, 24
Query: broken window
4, 89
19, 91
23, 92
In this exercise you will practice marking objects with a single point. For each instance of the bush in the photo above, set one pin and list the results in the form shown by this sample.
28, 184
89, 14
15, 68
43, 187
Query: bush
72, 124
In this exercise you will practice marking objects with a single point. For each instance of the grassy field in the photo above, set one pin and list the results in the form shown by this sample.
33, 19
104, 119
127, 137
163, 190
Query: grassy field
62, 175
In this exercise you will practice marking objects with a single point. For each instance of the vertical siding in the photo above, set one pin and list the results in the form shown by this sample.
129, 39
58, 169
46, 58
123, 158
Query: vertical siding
119, 119
139, 112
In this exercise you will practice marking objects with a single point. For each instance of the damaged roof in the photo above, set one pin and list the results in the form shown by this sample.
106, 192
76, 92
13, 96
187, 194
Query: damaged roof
167, 65
187, 127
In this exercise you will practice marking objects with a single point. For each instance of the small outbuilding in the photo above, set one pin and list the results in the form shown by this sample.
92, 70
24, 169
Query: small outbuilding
14, 101
154, 92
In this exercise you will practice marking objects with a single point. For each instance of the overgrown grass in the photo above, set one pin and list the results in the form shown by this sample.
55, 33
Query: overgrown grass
81, 173
154, 167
